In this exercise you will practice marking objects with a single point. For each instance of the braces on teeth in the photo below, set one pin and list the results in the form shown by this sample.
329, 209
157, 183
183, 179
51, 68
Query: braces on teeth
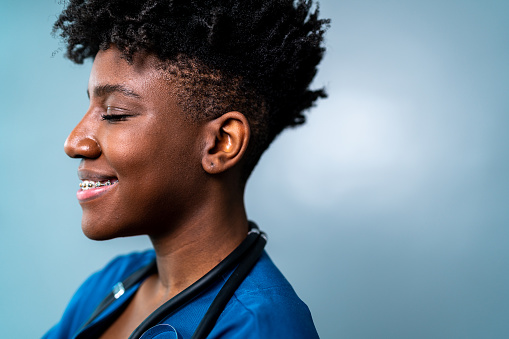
86, 184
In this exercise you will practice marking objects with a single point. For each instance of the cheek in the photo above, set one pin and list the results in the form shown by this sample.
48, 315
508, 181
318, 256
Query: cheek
134, 153
154, 167
159, 172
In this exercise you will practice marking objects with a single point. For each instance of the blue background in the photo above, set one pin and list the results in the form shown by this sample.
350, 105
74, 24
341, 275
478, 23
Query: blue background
387, 211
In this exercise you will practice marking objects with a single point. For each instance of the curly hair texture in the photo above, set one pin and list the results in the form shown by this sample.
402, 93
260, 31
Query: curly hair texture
257, 57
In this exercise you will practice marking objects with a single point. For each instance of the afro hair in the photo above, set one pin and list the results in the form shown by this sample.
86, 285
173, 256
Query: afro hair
254, 56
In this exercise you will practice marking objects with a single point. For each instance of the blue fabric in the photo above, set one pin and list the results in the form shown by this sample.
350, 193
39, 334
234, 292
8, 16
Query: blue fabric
264, 306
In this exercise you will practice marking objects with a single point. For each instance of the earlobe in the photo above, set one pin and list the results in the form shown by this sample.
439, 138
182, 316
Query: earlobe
227, 138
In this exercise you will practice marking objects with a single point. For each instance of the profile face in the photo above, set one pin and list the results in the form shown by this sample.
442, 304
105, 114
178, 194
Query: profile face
140, 155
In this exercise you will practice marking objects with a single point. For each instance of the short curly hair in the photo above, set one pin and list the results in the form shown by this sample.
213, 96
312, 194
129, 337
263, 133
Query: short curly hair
253, 56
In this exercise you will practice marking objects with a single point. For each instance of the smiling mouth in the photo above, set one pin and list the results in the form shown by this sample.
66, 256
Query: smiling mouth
89, 184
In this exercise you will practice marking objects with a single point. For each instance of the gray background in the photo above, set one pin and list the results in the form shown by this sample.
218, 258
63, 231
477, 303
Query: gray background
387, 211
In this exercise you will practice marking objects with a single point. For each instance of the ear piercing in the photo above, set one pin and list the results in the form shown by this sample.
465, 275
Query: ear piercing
87, 184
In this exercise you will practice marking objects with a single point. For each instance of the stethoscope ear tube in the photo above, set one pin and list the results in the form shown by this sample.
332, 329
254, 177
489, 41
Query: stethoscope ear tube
130, 281
216, 308
199, 286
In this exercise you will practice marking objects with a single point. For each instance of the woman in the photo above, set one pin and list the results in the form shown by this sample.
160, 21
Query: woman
184, 99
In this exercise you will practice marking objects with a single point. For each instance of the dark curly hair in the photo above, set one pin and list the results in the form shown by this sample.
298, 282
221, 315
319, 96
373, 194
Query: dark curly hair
254, 56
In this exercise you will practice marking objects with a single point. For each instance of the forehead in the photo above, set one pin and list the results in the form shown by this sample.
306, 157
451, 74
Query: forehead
110, 67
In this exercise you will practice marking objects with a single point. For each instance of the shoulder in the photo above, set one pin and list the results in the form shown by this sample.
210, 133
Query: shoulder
95, 289
265, 306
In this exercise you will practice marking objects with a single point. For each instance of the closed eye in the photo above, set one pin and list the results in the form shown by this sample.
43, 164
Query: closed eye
114, 114
115, 117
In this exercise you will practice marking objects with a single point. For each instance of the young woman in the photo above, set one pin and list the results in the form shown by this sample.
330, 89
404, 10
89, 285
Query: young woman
185, 96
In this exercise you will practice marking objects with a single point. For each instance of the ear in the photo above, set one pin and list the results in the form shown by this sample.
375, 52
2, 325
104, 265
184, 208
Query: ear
226, 140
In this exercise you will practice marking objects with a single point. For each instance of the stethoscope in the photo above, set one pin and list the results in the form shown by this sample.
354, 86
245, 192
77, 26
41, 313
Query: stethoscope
244, 257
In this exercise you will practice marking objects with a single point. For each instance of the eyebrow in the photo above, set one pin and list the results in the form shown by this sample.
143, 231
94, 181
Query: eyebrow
104, 90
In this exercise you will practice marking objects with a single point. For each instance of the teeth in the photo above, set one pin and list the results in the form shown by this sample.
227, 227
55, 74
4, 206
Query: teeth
88, 184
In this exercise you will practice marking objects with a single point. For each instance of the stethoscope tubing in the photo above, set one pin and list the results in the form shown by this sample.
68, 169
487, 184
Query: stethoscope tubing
218, 305
200, 285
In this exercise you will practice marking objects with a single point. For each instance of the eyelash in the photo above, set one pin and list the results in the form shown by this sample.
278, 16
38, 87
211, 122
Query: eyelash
115, 117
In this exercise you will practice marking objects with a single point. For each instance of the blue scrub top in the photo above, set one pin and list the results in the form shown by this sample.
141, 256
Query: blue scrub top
264, 306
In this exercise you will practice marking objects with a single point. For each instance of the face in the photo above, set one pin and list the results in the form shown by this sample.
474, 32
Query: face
139, 154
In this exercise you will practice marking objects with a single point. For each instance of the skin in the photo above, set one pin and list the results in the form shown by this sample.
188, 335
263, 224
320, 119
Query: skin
179, 182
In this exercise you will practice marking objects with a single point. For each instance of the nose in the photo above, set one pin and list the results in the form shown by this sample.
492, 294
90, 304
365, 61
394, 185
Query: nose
82, 143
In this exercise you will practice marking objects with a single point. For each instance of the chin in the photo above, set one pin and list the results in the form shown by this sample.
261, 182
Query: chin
99, 231
96, 234
104, 230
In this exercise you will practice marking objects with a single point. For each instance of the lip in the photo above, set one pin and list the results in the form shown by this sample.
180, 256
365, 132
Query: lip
95, 192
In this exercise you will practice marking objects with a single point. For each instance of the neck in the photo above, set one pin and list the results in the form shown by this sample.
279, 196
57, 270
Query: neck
192, 249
